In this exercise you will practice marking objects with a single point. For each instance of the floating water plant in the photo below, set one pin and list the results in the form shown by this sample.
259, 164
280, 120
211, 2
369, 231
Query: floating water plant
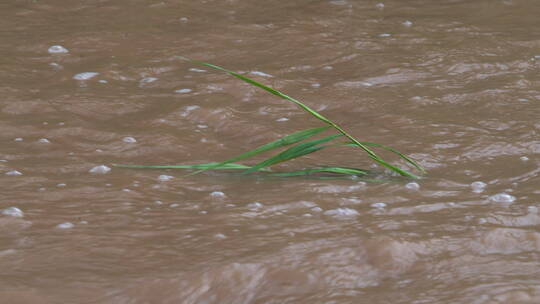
299, 146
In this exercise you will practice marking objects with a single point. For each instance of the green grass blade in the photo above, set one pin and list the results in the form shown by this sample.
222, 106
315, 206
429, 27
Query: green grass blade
284, 141
229, 166
403, 156
293, 152
336, 170
314, 113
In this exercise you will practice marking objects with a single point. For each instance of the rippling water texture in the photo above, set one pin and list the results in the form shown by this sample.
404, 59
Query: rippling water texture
454, 84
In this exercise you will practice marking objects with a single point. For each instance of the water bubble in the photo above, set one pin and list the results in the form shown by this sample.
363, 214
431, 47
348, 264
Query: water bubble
164, 178
197, 70
44, 141
66, 225
341, 212
129, 140
502, 198
282, 119
61, 185
385, 35
378, 205
103, 81
478, 186
524, 158
183, 91
255, 205
202, 126
220, 236
407, 23
173, 205
13, 211
262, 74
158, 202
316, 209
18, 139
217, 194
101, 169
412, 186
184, 19
307, 215
148, 79
379, 5
57, 49
14, 173
85, 76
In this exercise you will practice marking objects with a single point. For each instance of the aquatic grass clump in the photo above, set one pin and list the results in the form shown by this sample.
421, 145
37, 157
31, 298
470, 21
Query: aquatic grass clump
299, 147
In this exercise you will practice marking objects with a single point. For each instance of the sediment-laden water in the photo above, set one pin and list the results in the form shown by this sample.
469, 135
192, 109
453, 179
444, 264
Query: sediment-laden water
84, 84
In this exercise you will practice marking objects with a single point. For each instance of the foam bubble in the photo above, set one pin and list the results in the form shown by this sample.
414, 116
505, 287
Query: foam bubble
129, 140
217, 194
502, 198
478, 186
341, 212
183, 91
412, 186
165, 178
14, 173
66, 225
101, 169
13, 211
57, 49
85, 76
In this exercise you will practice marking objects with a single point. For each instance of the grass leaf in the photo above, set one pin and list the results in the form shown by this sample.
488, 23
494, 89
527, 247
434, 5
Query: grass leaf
293, 152
317, 115
284, 141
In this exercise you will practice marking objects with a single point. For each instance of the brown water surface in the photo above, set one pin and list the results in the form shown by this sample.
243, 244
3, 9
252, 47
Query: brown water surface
454, 84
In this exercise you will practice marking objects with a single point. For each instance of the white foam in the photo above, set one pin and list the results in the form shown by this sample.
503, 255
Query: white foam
316, 209
44, 141
14, 173
57, 49
385, 35
502, 198
524, 158
18, 139
66, 225
255, 205
101, 169
197, 70
412, 186
13, 211
218, 194
378, 205
341, 212
85, 76
129, 140
282, 119
260, 74
478, 186
183, 91
379, 5
164, 178
407, 23
148, 80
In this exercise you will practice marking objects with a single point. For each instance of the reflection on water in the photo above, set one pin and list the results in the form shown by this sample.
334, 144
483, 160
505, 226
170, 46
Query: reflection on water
454, 84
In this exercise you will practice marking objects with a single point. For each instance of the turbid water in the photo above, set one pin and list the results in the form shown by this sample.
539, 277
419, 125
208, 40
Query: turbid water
454, 84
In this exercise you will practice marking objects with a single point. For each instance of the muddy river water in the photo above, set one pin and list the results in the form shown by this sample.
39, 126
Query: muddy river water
453, 84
